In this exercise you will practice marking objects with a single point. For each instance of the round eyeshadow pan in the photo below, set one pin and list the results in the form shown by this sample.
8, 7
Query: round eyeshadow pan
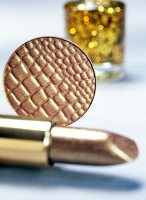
50, 78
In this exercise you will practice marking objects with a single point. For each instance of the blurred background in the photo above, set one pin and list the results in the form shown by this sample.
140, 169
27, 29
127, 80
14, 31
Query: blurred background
23, 20
118, 106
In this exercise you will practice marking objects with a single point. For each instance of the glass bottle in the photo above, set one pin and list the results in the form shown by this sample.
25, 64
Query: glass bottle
97, 26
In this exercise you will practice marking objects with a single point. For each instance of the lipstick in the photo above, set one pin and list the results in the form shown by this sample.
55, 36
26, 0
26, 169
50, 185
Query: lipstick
41, 143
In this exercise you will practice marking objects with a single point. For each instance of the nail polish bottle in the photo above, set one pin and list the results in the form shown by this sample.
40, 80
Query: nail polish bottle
97, 26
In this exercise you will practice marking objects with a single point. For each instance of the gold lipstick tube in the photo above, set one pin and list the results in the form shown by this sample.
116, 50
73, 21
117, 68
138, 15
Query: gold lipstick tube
31, 142
24, 142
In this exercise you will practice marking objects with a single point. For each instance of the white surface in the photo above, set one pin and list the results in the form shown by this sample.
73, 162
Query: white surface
118, 106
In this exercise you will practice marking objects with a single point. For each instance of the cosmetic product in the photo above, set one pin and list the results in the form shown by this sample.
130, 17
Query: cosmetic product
97, 26
40, 143
50, 83
50, 78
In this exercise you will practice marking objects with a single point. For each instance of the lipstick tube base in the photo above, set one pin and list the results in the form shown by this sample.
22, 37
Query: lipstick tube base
24, 142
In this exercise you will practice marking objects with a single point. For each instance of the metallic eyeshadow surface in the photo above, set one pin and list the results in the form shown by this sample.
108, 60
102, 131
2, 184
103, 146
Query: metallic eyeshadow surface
50, 78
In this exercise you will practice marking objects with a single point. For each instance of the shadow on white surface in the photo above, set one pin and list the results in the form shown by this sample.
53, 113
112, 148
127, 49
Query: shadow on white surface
66, 178
133, 74
134, 77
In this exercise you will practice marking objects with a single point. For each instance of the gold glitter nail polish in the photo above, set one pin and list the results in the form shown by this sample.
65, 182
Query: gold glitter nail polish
97, 26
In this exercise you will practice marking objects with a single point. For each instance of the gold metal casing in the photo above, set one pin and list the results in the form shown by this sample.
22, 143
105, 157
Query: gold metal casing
24, 142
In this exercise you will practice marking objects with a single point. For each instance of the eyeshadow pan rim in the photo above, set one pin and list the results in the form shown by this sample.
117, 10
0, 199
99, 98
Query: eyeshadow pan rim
52, 37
